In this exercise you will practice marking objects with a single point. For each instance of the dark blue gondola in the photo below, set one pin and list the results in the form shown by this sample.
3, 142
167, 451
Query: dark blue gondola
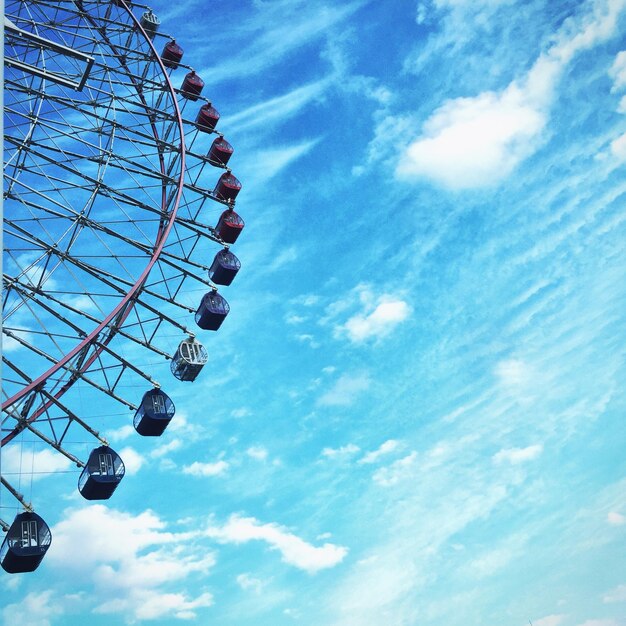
154, 413
191, 356
102, 474
224, 267
212, 311
25, 544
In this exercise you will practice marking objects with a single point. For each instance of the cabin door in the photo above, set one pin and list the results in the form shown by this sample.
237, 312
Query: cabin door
29, 534
158, 404
106, 465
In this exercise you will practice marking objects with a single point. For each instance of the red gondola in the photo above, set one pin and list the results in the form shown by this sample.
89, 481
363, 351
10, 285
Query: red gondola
229, 226
192, 86
207, 118
172, 54
227, 187
220, 152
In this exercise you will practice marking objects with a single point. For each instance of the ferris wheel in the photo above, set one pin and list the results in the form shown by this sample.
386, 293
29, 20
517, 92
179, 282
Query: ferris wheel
116, 186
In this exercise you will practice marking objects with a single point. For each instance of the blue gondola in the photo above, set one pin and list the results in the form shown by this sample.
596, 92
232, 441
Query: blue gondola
224, 267
154, 413
191, 356
102, 474
212, 311
25, 544
150, 23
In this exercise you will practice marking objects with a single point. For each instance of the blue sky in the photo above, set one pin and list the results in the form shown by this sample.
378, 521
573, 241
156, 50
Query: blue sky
414, 413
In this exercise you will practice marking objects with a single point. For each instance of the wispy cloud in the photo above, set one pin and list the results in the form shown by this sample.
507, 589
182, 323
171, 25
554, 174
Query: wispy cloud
279, 108
343, 451
293, 25
294, 550
346, 389
478, 141
389, 446
377, 314
514, 456
396, 472
615, 595
272, 161
206, 469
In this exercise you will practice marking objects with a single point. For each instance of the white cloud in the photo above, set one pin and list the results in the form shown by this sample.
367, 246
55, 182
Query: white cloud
345, 390
377, 314
478, 141
274, 30
601, 622
294, 551
279, 108
513, 372
22, 460
109, 548
133, 461
249, 583
206, 469
378, 323
549, 620
386, 448
615, 519
257, 452
121, 433
241, 412
396, 472
268, 163
616, 595
618, 147
473, 142
514, 456
295, 319
618, 71
147, 604
346, 450
35, 609
166, 448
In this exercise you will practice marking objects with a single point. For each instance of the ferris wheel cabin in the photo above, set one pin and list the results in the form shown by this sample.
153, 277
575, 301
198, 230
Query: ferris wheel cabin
212, 311
150, 23
227, 187
191, 356
102, 474
154, 413
220, 152
229, 226
25, 544
207, 118
172, 54
192, 86
224, 267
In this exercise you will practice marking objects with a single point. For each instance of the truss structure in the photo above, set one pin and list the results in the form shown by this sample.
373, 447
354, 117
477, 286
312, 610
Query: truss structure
108, 215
